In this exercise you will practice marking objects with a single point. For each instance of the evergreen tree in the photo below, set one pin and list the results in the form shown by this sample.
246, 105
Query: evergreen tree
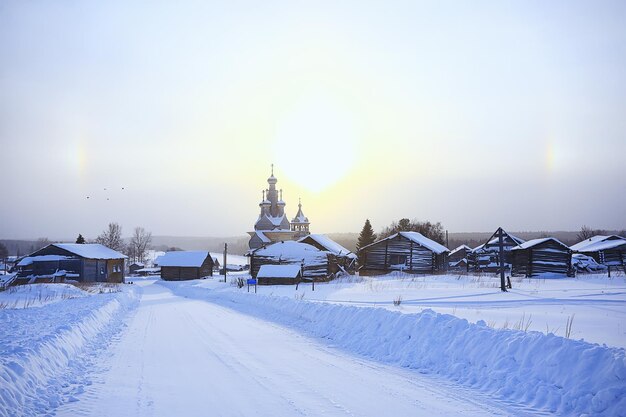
366, 237
80, 239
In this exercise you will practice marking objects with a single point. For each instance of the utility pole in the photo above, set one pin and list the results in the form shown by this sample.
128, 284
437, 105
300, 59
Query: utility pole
225, 251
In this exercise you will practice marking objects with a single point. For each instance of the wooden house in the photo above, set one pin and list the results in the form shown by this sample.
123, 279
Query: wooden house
486, 257
546, 257
134, 267
606, 250
290, 274
316, 264
88, 262
185, 265
346, 260
410, 252
457, 258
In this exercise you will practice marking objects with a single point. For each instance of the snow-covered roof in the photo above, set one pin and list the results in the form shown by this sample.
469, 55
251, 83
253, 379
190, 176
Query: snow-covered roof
595, 241
535, 242
279, 271
290, 250
137, 263
418, 238
603, 245
330, 245
41, 258
262, 236
182, 258
467, 248
90, 250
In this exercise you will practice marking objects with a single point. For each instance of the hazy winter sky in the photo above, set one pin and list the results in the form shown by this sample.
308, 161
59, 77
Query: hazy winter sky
475, 114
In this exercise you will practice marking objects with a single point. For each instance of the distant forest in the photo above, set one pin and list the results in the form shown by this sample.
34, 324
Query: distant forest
239, 244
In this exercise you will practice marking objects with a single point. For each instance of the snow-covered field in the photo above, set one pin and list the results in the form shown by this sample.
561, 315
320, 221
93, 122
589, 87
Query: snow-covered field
594, 304
206, 347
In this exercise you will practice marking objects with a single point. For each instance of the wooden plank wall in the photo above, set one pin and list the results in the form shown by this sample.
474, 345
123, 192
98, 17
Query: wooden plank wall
418, 258
546, 258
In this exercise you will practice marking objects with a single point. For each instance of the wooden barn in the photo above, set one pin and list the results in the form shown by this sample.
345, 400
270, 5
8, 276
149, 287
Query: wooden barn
457, 258
410, 252
346, 260
134, 267
546, 257
317, 264
279, 274
606, 250
486, 257
88, 262
185, 265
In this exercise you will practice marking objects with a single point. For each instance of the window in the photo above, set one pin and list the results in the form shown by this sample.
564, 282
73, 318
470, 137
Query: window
101, 270
397, 259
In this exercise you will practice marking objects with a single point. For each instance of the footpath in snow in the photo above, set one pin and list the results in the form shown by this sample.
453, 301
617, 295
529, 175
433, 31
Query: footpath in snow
48, 336
547, 372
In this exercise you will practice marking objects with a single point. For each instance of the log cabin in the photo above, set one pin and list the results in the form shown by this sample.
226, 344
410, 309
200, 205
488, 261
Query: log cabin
410, 252
316, 264
346, 260
185, 265
86, 262
457, 258
545, 257
606, 250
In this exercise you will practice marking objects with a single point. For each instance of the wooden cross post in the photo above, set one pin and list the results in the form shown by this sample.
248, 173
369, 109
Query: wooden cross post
501, 258
225, 251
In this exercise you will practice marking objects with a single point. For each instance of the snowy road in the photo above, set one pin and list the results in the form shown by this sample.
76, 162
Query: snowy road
193, 358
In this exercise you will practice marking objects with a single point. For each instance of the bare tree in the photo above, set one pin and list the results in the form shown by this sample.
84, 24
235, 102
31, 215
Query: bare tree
42, 242
139, 244
587, 232
112, 237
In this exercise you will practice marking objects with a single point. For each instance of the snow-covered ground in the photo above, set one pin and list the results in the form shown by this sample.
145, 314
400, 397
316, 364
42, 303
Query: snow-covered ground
206, 347
595, 304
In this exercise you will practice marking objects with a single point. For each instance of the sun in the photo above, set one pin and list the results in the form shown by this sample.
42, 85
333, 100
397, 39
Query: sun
316, 142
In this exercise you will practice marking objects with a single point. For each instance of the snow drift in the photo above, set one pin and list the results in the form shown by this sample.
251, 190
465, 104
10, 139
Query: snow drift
542, 371
43, 350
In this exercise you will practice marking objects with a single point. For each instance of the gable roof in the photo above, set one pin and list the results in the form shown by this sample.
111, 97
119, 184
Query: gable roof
329, 244
459, 248
90, 250
594, 243
279, 271
534, 242
290, 250
193, 259
415, 237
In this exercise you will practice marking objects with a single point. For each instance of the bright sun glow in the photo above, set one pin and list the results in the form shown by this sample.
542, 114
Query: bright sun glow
315, 142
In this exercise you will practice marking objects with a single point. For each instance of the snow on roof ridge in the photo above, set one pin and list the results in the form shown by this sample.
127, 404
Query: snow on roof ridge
538, 241
418, 238
90, 250
583, 244
329, 244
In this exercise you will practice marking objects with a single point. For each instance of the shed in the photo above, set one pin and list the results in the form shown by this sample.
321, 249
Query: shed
410, 252
346, 260
457, 258
279, 274
318, 264
543, 257
606, 250
486, 257
185, 265
134, 267
87, 262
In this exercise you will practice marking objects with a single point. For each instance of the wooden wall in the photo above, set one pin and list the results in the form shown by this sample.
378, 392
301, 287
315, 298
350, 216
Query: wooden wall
180, 273
401, 254
546, 258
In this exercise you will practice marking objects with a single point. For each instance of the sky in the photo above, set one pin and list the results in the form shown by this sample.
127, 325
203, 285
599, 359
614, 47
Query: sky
168, 115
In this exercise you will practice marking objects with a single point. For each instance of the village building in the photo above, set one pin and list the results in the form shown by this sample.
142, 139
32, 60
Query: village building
486, 257
185, 265
134, 267
457, 258
545, 257
409, 252
279, 274
346, 260
605, 250
316, 264
88, 262
273, 225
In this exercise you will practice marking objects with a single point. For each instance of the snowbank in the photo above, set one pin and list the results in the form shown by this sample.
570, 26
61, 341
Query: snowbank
43, 350
37, 295
542, 371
